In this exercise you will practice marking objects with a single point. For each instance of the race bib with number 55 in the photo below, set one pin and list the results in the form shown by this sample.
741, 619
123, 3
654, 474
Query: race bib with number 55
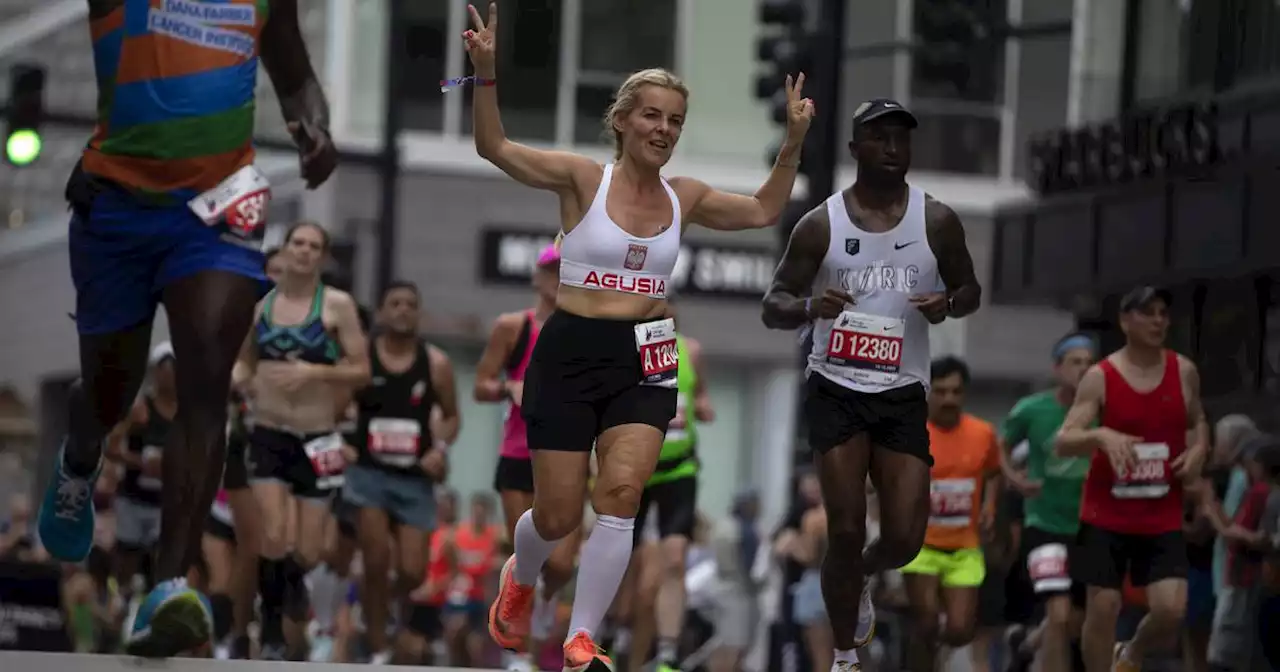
237, 207
327, 461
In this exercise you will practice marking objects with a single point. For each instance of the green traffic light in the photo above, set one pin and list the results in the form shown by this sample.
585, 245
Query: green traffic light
23, 147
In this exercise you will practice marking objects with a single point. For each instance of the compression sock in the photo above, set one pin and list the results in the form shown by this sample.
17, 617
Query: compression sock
271, 587
221, 616
604, 561
532, 551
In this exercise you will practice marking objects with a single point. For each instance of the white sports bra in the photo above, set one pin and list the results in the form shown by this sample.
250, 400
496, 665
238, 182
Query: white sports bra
598, 254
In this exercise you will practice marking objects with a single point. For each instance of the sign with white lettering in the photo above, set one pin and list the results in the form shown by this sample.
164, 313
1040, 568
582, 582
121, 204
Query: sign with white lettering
31, 617
508, 255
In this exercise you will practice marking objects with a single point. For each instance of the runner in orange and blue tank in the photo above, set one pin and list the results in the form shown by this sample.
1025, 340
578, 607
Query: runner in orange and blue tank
169, 208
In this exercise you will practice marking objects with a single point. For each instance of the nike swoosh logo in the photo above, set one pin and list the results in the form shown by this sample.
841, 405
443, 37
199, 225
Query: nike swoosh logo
899, 246
888, 328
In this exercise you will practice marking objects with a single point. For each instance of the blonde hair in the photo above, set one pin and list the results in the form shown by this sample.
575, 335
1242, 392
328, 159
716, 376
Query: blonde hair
624, 101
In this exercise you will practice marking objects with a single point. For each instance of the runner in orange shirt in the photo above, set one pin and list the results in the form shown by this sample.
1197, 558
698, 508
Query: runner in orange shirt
945, 576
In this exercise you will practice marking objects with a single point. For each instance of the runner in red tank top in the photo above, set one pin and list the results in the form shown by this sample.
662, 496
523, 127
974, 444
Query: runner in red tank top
1145, 399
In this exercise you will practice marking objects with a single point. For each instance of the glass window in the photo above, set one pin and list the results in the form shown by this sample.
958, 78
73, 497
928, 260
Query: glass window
426, 41
1229, 337
956, 142
1271, 340
618, 37
959, 59
529, 67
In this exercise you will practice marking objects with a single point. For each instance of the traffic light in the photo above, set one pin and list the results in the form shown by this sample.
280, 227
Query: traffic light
784, 49
958, 47
25, 109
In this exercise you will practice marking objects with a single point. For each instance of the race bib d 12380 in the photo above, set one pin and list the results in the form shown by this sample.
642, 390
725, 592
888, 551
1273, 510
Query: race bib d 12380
869, 347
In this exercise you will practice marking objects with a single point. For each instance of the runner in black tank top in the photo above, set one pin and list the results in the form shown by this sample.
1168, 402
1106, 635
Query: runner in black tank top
401, 456
137, 444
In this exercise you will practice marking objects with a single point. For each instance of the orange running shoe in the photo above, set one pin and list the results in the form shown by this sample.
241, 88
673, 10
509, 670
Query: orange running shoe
581, 654
510, 614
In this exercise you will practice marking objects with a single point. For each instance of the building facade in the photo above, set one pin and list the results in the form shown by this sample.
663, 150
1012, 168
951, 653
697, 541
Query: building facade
1171, 180
465, 231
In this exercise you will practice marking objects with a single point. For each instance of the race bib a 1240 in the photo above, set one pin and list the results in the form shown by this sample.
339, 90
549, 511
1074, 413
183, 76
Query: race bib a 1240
869, 347
659, 353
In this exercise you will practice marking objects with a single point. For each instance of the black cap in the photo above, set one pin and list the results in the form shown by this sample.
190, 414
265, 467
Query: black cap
1141, 297
880, 107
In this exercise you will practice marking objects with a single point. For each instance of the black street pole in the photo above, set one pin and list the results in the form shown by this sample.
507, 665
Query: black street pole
389, 165
826, 100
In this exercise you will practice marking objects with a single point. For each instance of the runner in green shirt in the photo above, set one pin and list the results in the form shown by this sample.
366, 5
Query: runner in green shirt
673, 490
1053, 487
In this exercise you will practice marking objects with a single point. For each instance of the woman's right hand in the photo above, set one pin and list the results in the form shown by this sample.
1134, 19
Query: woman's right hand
481, 43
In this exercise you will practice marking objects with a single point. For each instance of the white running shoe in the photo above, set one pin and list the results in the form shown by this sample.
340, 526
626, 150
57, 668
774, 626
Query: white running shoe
866, 614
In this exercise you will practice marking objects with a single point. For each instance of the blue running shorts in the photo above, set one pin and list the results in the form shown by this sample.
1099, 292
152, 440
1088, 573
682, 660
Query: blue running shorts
124, 253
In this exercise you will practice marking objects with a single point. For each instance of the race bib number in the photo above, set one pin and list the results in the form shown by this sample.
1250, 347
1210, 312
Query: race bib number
1047, 567
394, 441
1148, 478
221, 510
659, 355
237, 207
951, 502
326, 458
869, 347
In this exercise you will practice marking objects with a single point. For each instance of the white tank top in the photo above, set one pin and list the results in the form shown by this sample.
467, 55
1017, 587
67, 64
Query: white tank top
881, 343
598, 254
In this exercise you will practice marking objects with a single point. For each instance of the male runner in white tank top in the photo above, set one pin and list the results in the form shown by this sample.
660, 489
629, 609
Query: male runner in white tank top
884, 261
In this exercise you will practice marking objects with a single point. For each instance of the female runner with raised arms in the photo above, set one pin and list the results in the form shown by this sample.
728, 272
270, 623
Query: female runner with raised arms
603, 371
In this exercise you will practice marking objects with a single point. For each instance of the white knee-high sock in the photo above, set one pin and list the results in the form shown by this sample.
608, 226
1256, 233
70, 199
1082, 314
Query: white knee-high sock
604, 562
532, 551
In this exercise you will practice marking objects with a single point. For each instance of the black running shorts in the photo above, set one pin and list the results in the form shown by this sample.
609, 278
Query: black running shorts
281, 456
677, 504
236, 474
514, 474
1105, 557
584, 378
895, 419
219, 530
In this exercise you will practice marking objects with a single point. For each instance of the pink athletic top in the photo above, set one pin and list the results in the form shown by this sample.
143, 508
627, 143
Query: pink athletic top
515, 440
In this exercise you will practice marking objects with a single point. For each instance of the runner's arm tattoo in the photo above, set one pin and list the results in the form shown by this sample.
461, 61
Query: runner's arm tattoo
784, 304
955, 266
445, 386
1075, 437
284, 55
1197, 421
